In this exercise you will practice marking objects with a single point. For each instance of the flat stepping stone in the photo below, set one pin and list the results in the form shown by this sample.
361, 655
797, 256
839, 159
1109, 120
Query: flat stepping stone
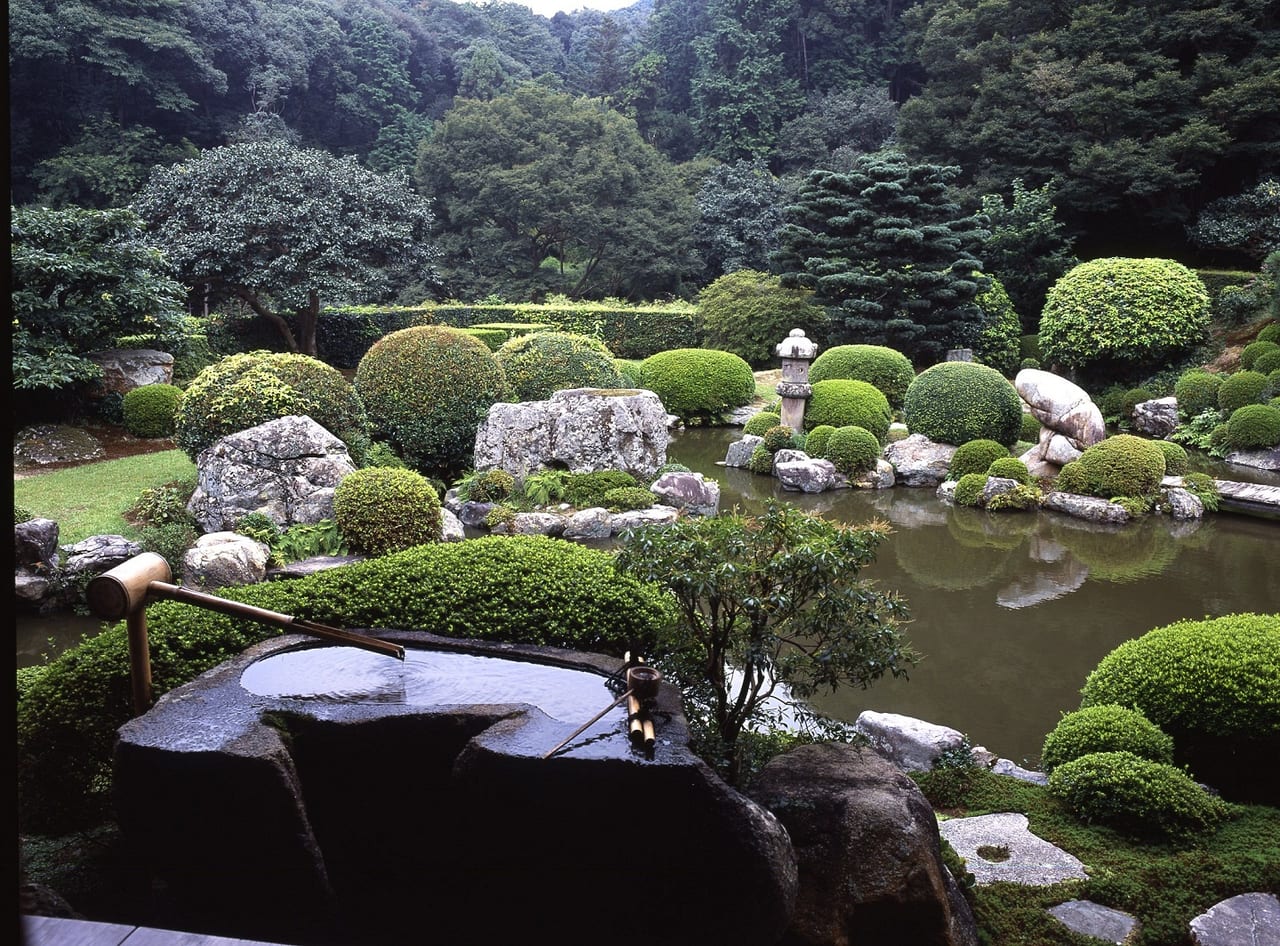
1030, 859
1251, 919
1093, 919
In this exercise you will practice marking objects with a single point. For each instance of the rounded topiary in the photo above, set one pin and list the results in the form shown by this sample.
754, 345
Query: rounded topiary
245, 390
1122, 465
1196, 392
1130, 400
1218, 437
974, 457
815, 443
778, 438
1241, 388
1253, 427
698, 382
956, 401
1071, 479
150, 411
757, 424
999, 343
1269, 333
1268, 362
843, 402
624, 498
969, 489
1123, 312
1135, 795
887, 369
1250, 354
853, 450
1212, 686
1176, 461
748, 313
381, 509
539, 364
1104, 728
1029, 430
761, 461
1010, 468
427, 388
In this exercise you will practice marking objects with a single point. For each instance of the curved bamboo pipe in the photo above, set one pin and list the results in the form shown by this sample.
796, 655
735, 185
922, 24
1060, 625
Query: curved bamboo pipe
123, 591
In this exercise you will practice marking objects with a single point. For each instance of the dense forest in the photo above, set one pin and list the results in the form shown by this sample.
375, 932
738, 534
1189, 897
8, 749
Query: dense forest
643, 153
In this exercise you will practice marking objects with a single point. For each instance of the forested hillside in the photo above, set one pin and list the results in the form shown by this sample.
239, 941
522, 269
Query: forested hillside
642, 153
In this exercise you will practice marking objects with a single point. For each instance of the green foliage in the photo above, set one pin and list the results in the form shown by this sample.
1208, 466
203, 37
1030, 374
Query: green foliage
1010, 468
999, 342
1027, 250
761, 461
889, 253
852, 450
1246, 223
260, 527
778, 438
382, 454
885, 368
949, 779
21, 514
79, 280
698, 383
1029, 429
1209, 684
245, 390
839, 402
1258, 296
625, 498
1202, 486
1121, 465
1253, 351
1115, 314
1023, 496
490, 486
427, 389
739, 213
1104, 728
1199, 430
501, 518
1239, 389
1135, 795
543, 487
956, 401
170, 541
1269, 333
1175, 457
1196, 392
776, 597
587, 490
757, 424
815, 443
382, 510
969, 489
150, 410
164, 504
1129, 401
749, 313
1253, 427
975, 456
539, 364
1268, 362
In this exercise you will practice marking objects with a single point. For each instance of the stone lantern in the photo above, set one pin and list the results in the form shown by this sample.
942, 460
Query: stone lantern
796, 353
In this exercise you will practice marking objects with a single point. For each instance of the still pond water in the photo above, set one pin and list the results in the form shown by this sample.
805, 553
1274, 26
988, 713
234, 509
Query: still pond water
1011, 611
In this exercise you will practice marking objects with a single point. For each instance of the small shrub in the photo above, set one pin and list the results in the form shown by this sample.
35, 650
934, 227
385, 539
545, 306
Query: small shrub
955, 402
624, 498
1122, 465
490, 486
1175, 457
1196, 392
841, 402
1250, 354
999, 343
586, 490
1218, 441
1104, 728
537, 365
382, 454
501, 518
1269, 333
778, 438
382, 510
1071, 479
761, 461
887, 369
1010, 468
853, 450
757, 424
1135, 795
1029, 431
975, 457
947, 783
1239, 389
1029, 363
1253, 427
1130, 399
1025, 496
1268, 362
816, 441
150, 411
697, 383
969, 489
544, 487
170, 541
260, 527
164, 505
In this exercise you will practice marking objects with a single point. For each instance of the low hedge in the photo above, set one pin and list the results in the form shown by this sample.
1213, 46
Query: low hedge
150, 410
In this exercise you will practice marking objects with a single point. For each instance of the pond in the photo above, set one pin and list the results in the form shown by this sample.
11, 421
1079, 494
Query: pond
1013, 610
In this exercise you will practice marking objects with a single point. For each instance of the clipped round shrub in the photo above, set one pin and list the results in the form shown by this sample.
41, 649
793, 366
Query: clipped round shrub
1029, 430
1269, 333
1211, 685
757, 424
1250, 354
1253, 427
698, 382
587, 490
1268, 362
815, 443
748, 313
1121, 465
252, 388
541, 363
1130, 400
1218, 437
975, 457
1104, 728
999, 343
1010, 468
427, 388
956, 401
1239, 389
150, 411
1121, 312
1071, 479
1135, 795
778, 438
887, 369
969, 489
844, 402
380, 509
1196, 392
623, 498
1176, 461
853, 450
761, 461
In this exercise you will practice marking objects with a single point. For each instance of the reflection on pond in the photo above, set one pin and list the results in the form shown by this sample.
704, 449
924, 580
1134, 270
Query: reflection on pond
1013, 610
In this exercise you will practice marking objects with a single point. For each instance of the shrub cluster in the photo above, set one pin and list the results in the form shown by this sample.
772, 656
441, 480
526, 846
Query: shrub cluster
852, 450
1239, 389
1010, 468
1196, 392
1253, 427
757, 424
955, 402
1104, 728
887, 369
748, 313
815, 443
779, 437
587, 490
841, 402
761, 461
1122, 465
697, 382
382, 509
488, 486
976, 456
1176, 461
537, 365
1250, 354
969, 489
150, 411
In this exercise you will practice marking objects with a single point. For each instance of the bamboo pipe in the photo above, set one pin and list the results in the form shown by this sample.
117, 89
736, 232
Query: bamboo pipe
636, 725
643, 684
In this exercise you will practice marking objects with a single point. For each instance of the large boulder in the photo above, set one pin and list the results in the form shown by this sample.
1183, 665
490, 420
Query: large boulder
694, 493
1157, 418
225, 559
919, 461
1062, 406
868, 851
124, 369
583, 430
286, 469
909, 743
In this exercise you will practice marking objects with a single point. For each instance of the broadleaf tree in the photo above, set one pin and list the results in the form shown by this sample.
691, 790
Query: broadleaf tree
288, 231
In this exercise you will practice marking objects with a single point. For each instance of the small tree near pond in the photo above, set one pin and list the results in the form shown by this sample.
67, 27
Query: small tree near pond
766, 601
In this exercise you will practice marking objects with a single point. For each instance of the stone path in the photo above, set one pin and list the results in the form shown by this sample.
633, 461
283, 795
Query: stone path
1093, 919
1031, 860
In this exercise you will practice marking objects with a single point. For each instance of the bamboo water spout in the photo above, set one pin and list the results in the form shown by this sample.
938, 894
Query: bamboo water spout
123, 592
